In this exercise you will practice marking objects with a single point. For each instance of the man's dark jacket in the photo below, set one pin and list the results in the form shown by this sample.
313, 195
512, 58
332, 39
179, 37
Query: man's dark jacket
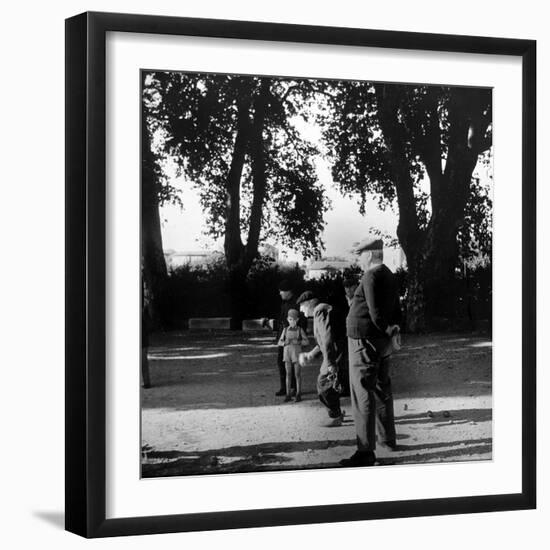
375, 305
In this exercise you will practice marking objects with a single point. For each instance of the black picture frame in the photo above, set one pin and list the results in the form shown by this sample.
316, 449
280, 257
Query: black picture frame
86, 284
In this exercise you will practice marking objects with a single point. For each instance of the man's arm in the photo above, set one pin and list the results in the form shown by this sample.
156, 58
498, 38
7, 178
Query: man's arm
326, 340
311, 354
281, 341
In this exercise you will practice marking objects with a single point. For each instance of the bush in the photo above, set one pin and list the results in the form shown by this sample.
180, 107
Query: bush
195, 292
263, 281
203, 291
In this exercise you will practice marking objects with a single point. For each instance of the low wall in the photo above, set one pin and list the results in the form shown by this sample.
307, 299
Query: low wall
210, 323
259, 324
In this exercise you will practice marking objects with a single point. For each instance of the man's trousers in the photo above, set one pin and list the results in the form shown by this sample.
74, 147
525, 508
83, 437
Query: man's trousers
371, 394
328, 396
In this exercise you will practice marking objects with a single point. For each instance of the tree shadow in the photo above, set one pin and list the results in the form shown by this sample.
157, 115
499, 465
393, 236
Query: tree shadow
439, 456
259, 449
271, 456
443, 444
461, 415
249, 458
188, 369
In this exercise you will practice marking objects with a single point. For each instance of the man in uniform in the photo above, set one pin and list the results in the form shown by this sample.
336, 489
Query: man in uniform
370, 324
330, 344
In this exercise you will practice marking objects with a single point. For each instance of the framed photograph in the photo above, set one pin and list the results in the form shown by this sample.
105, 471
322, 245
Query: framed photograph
300, 278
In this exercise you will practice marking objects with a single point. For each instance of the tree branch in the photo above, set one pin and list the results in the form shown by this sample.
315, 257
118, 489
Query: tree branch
408, 231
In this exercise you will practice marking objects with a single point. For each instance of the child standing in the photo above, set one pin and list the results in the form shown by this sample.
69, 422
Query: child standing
293, 338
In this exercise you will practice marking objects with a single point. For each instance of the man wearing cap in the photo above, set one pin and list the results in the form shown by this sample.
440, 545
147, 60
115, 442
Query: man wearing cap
286, 291
330, 344
374, 313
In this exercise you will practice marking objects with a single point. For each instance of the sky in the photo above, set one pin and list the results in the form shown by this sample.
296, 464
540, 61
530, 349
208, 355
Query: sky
183, 230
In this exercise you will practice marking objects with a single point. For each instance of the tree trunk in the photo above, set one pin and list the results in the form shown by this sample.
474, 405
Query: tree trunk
408, 233
432, 255
233, 245
154, 264
257, 157
415, 314
467, 122
239, 257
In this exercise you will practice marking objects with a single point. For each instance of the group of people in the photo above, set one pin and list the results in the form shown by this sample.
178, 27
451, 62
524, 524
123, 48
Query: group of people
355, 350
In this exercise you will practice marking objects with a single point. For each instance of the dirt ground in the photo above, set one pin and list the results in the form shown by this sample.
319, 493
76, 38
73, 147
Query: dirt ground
212, 408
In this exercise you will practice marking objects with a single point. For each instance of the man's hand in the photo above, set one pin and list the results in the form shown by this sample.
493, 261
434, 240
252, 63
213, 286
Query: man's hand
303, 359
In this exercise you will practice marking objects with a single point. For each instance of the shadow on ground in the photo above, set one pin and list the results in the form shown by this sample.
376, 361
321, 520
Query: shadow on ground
453, 416
234, 369
271, 456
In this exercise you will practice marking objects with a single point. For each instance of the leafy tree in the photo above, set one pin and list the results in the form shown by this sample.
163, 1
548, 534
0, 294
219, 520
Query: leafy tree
156, 190
234, 138
386, 140
153, 264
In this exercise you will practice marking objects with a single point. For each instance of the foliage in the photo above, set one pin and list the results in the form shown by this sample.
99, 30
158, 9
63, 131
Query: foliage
159, 159
359, 150
204, 291
198, 119
412, 147
475, 233
415, 148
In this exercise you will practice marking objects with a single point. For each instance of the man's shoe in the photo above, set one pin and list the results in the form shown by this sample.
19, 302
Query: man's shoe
365, 458
280, 393
298, 398
332, 422
389, 445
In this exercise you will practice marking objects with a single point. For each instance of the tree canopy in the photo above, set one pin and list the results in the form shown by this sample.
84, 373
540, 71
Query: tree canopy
388, 140
412, 147
234, 139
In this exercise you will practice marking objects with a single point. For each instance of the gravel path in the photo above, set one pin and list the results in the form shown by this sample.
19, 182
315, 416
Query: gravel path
212, 407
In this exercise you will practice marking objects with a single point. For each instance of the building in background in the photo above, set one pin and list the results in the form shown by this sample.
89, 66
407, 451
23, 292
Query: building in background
394, 258
192, 258
327, 267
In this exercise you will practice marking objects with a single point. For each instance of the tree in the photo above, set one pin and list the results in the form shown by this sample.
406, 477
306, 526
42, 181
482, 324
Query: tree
234, 138
153, 263
387, 139
156, 190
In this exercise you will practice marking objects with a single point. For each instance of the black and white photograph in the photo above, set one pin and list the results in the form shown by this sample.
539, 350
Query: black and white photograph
316, 261
274, 274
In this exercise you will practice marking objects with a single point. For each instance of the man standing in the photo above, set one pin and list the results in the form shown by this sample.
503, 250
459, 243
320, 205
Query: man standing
330, 344
374, 311
350, 285
286, 291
